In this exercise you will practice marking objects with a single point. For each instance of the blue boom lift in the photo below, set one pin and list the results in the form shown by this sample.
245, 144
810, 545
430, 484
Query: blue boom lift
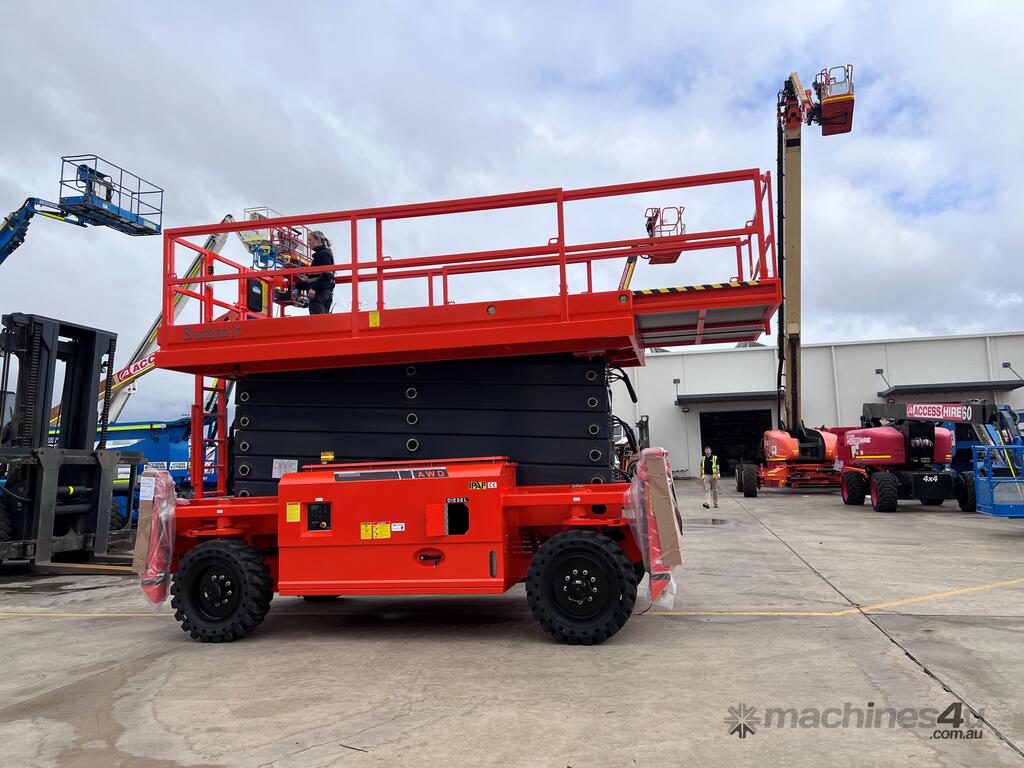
999, 479
93, 192
987, 424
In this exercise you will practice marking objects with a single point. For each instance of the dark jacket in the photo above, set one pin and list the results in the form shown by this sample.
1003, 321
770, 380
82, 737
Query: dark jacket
322, 257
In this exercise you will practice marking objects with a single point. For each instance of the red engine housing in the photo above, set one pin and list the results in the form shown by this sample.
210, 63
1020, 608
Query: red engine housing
887, 446
779, 445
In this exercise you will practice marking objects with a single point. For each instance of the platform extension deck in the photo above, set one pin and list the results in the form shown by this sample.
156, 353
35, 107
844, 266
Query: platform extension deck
232, 338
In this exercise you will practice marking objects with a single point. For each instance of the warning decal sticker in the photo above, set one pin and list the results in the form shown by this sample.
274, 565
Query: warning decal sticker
369, 531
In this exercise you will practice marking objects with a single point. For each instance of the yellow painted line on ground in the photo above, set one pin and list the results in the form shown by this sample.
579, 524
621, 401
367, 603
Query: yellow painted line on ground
88, 567
940, 595
849, 611
784, 614
69, 614
746, 613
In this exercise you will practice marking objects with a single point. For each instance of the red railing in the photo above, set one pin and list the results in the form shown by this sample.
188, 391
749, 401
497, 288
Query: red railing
755, 239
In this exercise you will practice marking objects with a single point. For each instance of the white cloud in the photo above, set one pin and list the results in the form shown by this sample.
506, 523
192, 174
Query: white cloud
910, 222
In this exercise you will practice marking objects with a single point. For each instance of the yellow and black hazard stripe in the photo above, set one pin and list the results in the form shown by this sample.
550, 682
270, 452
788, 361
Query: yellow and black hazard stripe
691, 288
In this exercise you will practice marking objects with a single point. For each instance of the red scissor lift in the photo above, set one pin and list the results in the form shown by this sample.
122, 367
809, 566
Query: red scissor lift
571, 543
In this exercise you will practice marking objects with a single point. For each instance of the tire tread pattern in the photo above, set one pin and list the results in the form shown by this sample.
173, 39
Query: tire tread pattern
965, 493
6, 524
253, 604
574, 632
856, 489
887, 490
749, 481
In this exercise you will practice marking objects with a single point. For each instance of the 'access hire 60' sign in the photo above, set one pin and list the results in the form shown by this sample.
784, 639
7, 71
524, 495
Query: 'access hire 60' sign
939, 411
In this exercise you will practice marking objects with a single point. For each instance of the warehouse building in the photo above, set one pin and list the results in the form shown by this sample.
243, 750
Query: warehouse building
727, 397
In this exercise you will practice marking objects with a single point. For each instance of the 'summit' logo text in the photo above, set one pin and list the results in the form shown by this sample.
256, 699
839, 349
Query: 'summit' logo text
209, 334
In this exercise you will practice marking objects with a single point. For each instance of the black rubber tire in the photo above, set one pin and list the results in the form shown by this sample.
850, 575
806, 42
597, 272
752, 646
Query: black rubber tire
117, 520
739, 477
885, 491
750, 481
640, 571
614, 578
248, 605
965, 496
6, 525
855, 489
320, 598
932, 502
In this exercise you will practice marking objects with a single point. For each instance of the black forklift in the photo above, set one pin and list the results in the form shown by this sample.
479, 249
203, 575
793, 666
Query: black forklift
56, 477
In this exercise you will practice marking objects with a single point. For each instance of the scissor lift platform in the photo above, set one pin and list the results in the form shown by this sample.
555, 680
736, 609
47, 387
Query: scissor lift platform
617, 323
235, 338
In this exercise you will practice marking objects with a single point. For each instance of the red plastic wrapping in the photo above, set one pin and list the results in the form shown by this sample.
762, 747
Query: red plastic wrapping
156, 578
653, 514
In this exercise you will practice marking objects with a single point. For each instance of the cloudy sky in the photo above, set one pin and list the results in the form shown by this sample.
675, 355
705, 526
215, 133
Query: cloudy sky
911, 223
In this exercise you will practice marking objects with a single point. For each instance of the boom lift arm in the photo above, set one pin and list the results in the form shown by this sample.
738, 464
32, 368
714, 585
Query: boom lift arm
275, 248
831, 107
141, 361
93, 192
15, 227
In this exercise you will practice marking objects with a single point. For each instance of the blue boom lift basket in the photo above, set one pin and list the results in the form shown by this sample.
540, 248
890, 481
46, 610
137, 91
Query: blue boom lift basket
999, 480
104, 194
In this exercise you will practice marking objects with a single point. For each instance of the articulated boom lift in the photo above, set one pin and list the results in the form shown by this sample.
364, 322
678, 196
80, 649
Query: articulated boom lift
797, 456
446, 447
270, 248
274, 248
93, 192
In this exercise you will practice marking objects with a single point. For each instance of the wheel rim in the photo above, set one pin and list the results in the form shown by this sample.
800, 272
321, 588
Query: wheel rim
216, 592
874, 493
581, 585
846, 489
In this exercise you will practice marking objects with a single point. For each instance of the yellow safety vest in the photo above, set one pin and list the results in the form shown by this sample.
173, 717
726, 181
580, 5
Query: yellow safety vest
714, 466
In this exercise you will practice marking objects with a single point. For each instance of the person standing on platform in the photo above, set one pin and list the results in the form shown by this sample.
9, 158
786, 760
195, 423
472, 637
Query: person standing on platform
319, 287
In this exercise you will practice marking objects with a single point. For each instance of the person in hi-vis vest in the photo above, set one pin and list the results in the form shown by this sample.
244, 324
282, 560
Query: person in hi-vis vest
710, 474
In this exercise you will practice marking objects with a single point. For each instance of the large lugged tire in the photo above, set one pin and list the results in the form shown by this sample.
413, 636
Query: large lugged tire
6, 526
221, 591
855, 488
581, 587
885, 491
749, 486
965, 492
118, 520
739, 477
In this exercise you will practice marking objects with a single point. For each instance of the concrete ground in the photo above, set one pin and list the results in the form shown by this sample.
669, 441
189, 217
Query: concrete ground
788, 601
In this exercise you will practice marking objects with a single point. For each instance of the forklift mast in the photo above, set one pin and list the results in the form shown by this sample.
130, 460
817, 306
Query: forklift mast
58, 481
40, 344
